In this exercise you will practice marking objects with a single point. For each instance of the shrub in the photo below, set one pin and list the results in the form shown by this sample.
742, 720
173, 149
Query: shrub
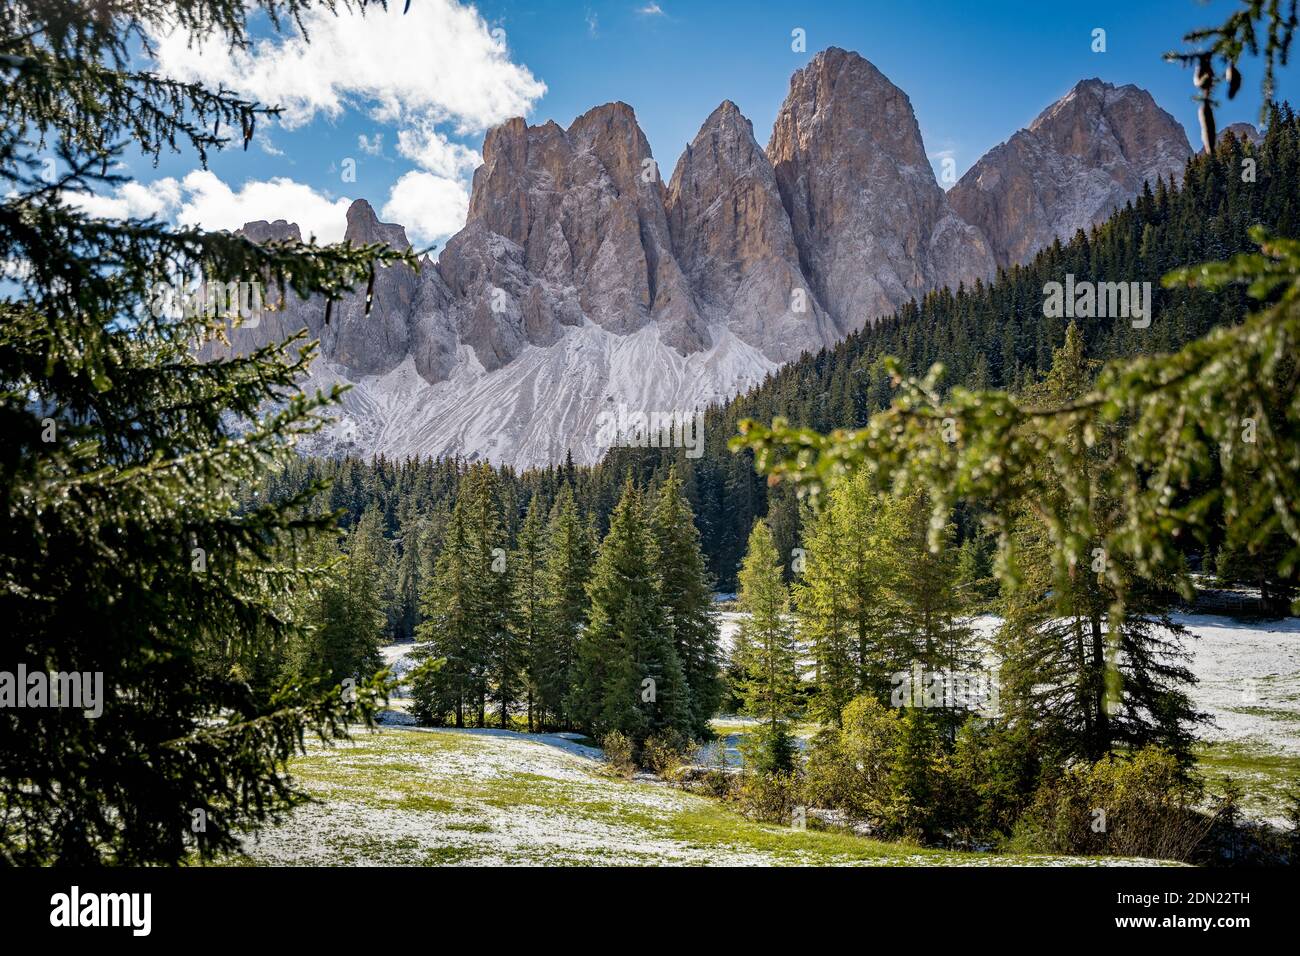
1138, 805
994, 775
893, 770
770, 797
619, 753
664, 754
851, 768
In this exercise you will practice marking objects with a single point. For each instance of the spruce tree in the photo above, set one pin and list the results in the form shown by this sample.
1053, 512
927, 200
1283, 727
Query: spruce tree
124, 552
568, 560
450, 631
529, 581
407, 574
370, 572
628, 677
1089, 687
687, 599
498, 661
344, 613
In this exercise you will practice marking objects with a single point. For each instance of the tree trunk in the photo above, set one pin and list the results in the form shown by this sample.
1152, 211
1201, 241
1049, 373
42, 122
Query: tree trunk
1099, 694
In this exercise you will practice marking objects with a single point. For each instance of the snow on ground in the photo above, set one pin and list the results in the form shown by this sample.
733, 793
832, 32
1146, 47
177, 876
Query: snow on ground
728, 626
397, 657
1249, 679
466, 819
482, 805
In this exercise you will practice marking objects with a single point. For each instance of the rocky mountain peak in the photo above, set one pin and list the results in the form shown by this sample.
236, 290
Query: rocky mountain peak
365, 228
1083, 156
872, 226
568, 226
835, 93
733, 239
1101, 123
583, 283
1246, 132
278, 231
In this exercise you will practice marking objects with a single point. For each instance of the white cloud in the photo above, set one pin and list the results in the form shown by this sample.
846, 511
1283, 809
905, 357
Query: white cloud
430, 207
426, 147
371, 145
267, 146
210, 203
438, 62
131, 201
202, 199
651, 10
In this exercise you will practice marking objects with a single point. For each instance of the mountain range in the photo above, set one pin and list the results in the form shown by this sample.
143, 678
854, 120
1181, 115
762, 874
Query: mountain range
583, 284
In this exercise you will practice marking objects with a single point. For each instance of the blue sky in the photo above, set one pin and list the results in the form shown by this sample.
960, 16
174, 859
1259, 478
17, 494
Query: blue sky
422, 89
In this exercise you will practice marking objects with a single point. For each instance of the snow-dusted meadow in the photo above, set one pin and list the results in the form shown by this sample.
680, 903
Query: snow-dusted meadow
407, 796
1248, 680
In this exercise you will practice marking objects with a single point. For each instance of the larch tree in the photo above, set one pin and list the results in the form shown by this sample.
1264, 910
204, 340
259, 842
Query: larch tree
765, 652
851, 557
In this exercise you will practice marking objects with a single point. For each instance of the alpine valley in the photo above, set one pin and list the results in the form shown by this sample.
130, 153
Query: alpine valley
584, 284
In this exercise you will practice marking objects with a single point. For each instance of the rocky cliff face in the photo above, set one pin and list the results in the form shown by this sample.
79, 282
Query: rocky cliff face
733, 239
872, 226
1246, 132
1085, 155
583, 286
567, 226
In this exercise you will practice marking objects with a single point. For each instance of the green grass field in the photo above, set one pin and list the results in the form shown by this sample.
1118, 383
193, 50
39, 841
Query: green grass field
1266, 776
